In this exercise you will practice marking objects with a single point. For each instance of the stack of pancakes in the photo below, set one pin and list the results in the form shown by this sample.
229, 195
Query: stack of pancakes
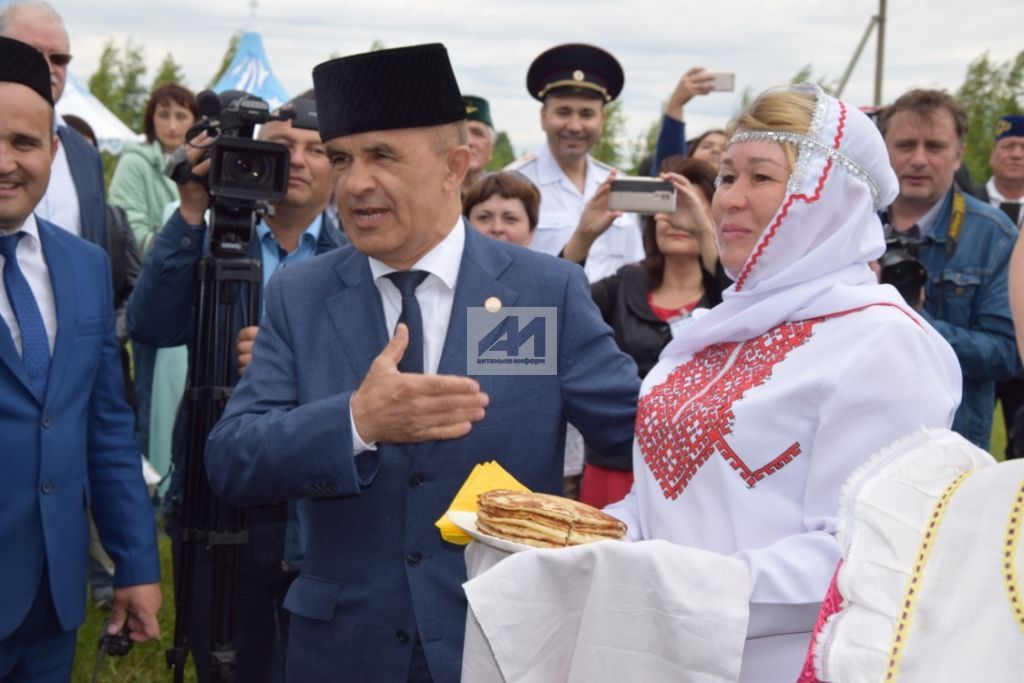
543, 521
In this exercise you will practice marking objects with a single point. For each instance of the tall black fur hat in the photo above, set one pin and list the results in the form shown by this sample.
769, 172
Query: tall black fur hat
406, 87
21, 63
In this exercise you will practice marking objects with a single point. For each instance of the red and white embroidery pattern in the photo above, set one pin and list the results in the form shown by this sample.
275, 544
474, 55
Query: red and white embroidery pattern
682, 421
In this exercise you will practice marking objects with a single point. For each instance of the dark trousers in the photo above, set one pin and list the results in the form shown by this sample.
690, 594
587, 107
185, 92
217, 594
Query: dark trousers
260, 621
1011, 394
145, 363
38, 651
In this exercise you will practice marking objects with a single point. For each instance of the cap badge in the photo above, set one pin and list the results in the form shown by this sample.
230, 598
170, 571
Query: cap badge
577, 75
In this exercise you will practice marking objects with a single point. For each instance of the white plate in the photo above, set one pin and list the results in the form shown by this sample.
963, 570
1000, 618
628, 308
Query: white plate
467, 522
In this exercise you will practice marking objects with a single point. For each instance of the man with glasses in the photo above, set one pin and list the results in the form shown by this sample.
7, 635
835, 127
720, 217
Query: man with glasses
74, 199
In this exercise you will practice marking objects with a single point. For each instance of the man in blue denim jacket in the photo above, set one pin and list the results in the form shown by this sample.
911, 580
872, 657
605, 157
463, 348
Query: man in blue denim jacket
963, 244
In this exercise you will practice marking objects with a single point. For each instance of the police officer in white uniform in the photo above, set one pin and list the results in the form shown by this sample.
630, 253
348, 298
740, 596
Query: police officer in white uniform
574, 82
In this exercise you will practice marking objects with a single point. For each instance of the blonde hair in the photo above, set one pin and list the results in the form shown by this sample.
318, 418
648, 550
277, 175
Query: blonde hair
784, 110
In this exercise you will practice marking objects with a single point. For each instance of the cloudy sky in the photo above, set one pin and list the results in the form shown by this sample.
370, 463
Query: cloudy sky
492, 42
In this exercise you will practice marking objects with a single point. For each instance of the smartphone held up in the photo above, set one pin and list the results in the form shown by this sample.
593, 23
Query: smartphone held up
642, 195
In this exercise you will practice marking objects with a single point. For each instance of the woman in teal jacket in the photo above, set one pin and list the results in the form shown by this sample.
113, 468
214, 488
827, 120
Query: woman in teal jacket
139, 185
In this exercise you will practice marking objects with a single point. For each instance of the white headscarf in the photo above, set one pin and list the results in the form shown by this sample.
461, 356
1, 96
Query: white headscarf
812, 260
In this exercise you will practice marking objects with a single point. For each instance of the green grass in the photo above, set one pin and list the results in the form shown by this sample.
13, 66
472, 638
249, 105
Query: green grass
145, 663
998, 444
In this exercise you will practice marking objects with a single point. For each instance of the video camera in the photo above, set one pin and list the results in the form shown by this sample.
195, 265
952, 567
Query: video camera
246, 175
900, 266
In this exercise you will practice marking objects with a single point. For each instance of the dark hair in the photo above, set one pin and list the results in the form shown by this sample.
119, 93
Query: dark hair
507, 184
693, 144
925, 103
172, 93
702, 175
81, 126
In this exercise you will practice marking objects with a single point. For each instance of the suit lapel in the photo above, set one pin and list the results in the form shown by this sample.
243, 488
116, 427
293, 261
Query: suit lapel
480, 270
62, 281
90, 206
9, 356
357, 313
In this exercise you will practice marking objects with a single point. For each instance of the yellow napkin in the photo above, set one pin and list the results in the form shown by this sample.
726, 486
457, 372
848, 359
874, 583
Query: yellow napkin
484, 477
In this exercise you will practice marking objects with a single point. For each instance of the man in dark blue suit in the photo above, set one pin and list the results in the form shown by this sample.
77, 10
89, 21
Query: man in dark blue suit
66, 429
74, 199
381, 434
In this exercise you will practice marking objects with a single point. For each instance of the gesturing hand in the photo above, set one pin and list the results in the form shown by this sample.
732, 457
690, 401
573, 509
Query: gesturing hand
395, 407
594, 222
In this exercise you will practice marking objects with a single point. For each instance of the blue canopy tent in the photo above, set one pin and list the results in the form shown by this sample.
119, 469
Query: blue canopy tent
250, 72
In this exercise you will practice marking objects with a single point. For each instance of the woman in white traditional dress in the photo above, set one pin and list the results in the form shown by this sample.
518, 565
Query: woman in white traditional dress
751, 421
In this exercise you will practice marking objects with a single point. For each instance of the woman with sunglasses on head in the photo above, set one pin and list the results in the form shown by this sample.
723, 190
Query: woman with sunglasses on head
750, 423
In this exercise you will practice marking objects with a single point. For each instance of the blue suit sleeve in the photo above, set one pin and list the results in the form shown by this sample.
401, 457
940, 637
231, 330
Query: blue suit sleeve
267, 447
600, 383
160, 310
120, 501
671, 141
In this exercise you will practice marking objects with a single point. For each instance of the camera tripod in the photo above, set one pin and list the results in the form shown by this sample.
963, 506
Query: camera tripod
207, 524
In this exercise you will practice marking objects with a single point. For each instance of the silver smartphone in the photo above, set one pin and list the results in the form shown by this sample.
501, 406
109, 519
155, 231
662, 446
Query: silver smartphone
642, 195
725, 81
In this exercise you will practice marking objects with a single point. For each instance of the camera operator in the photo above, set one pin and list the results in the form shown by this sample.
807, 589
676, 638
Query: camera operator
962, 244
160, 313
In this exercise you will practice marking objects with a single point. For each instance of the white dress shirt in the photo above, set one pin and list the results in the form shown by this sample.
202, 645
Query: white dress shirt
562, 204
33, 267
60, 203
435, 296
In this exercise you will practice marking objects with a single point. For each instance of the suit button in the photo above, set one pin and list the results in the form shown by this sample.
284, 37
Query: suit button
186, 241
413, 558
47, 422
47, 487
416, 480
402, 637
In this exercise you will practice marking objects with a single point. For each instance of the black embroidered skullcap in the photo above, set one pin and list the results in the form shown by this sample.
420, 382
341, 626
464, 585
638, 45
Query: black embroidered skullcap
478, 109
21, 63
406, 87
575, 68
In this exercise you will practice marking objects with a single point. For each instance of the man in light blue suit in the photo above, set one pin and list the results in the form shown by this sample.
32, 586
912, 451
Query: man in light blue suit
381, 434
66, 430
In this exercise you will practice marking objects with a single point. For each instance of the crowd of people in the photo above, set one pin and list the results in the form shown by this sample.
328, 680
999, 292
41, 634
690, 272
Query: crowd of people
715, 375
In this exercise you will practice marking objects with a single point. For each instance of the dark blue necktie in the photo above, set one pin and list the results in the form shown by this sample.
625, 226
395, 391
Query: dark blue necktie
1011, 209
407, 281
35, 348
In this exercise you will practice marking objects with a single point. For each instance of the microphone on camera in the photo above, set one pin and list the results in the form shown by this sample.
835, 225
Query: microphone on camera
209, 104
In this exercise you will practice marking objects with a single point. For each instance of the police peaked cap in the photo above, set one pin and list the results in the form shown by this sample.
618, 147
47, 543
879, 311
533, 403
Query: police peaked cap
21, 63
406, 87
575, 68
